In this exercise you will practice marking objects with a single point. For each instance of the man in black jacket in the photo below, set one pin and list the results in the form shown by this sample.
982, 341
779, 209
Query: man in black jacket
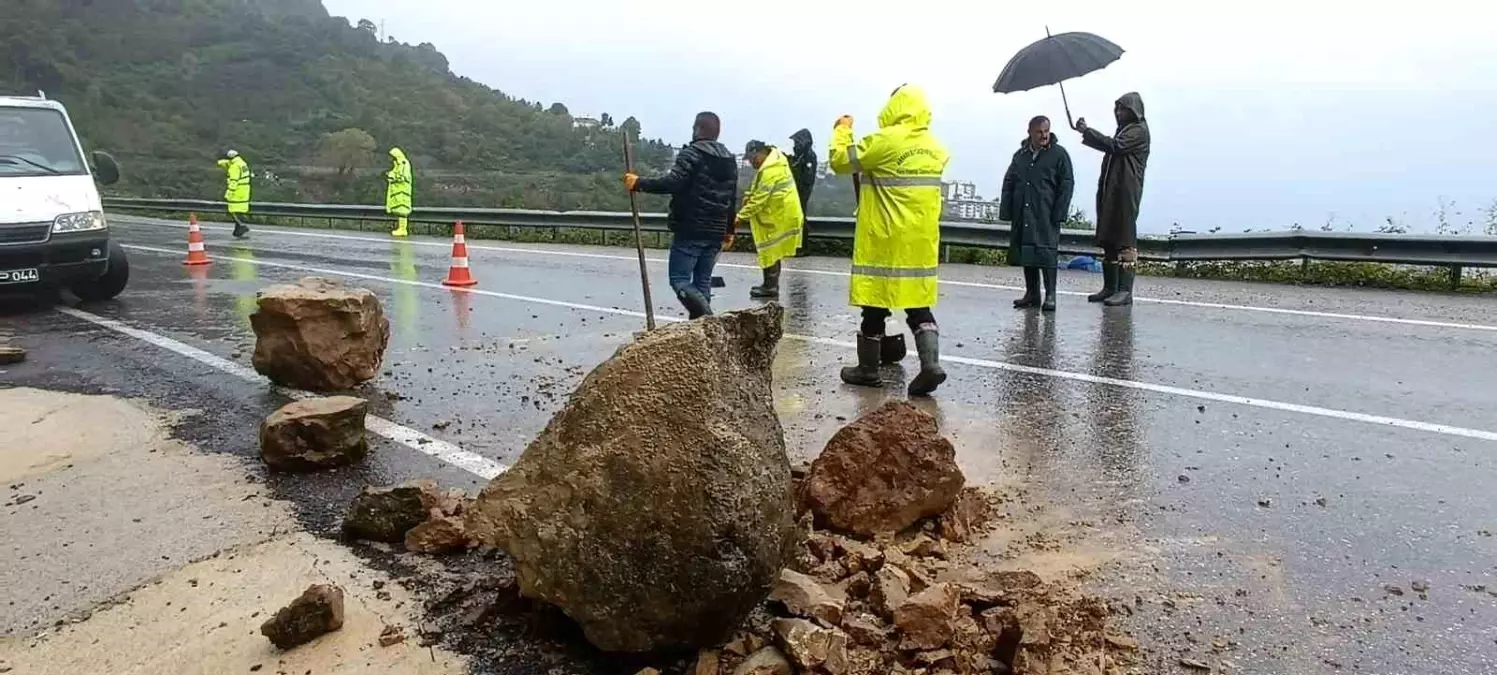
703, 186
1035, 201
803, 168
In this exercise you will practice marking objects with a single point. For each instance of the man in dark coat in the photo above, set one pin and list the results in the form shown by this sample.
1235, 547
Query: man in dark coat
1119, 191
703, 186
1036, 200
803, 168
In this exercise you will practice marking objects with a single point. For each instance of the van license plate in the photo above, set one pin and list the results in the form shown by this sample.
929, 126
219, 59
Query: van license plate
19, 276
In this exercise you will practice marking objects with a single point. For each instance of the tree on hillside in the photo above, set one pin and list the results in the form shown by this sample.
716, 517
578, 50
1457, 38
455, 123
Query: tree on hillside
607, 121
346, 150
558, 109
368, 27
630, 127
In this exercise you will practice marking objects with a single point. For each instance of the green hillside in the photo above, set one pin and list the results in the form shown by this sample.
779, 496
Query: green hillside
310, 100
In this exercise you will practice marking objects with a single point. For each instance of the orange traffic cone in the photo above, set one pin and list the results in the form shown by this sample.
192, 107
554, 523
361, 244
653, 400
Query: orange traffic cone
458, 274
196, 253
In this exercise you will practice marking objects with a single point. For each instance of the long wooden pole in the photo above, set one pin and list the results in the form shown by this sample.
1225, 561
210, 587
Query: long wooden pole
639, 244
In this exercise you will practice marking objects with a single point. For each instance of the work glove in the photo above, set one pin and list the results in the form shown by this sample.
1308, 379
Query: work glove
630, 180
844, 121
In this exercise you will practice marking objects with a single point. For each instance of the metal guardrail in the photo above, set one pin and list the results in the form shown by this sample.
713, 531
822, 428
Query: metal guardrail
1454, 252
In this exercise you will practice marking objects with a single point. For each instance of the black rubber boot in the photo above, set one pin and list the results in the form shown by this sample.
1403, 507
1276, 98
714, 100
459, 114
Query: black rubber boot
892, 349
928, 346
771, 287
1109, 282
1031, 297
1049, 304
240, 230
696, 305
1124, 295
865, 374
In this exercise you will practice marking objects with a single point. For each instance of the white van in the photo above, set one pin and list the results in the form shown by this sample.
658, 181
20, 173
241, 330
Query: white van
52, 227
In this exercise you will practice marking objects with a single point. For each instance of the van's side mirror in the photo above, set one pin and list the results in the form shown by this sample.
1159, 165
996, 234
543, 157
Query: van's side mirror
106, 170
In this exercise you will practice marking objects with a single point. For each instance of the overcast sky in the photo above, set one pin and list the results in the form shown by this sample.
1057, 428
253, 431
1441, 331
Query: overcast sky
1263, 115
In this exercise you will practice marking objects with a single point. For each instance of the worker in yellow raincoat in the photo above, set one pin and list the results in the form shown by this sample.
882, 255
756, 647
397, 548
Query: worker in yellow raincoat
236, 189
896, 248
772, 210
398, 191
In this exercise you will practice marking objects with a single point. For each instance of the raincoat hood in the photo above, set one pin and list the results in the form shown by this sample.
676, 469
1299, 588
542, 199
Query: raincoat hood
802, 140
906, 106
397, 153
1133, 103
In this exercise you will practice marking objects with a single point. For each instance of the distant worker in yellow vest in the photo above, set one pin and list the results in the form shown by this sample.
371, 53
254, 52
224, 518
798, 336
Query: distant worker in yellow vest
398, 191
237, 189
772, 210
897, 241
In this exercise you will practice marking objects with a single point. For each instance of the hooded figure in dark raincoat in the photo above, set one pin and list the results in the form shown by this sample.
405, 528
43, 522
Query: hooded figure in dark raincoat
1035, 201
803, 168
1119, 191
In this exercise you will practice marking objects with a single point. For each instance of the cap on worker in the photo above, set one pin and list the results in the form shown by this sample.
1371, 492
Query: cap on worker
231, 154
754, 147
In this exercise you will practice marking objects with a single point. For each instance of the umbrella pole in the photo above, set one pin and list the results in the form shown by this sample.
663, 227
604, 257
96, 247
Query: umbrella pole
1067, 104
639, 245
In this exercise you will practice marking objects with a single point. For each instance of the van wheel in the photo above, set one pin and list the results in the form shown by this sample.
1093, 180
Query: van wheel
112, 283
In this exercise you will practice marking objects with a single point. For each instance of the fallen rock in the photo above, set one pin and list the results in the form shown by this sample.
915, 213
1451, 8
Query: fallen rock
766, 661
804, 596
891, 588
865, 629
387, 514
709, 662
391, 635
318, 611
454, 502
811, 646
315, 433
439, 534
926, 619
648, 671
10, 355
319, 335
655, 509
968, 515
883, 472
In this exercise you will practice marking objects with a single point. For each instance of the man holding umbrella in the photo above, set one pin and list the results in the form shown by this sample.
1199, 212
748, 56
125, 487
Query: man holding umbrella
1119, 191
897, 237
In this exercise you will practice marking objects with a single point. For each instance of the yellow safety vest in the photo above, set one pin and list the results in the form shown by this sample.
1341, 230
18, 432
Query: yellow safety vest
896, 249
398, 190
772, 208
237, 188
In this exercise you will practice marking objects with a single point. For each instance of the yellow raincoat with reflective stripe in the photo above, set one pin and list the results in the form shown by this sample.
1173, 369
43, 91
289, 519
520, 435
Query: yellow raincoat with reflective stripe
398, 188
237, 184
896, 249
772, 208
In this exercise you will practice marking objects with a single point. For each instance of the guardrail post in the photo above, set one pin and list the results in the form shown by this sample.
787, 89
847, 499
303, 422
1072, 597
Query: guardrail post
1455, 277
945, 253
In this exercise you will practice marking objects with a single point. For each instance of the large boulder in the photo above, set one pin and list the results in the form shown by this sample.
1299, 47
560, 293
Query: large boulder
315, 433
883, 472
655, 509
318, 335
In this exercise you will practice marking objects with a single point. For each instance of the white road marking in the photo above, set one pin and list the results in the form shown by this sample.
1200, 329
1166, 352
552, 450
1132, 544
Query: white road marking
946, 282
1268, 404
475, 464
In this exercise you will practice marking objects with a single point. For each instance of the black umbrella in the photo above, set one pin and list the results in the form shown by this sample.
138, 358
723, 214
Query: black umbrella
1054, 60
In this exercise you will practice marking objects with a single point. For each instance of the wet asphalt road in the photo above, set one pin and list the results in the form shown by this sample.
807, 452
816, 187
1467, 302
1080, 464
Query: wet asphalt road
1179, 447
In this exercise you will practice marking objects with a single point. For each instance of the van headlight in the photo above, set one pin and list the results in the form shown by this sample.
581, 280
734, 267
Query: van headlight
79, 222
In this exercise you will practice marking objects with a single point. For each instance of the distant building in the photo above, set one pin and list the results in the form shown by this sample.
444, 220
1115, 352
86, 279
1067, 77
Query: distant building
585, 123
963, 203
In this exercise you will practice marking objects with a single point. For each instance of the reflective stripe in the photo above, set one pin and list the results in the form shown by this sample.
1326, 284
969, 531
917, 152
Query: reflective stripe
852, 158
905, 181
894, 272
780, 238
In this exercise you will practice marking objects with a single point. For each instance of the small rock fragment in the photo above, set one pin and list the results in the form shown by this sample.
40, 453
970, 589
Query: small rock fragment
1122, 642
1194, 664
807, 644
926, 619
318, 611
891, 588
1320, 501
387, 514
766, 661
1393, 590
708, 662
865, 629
439, 534
1265, 503
968, 515
315, 433
391, 635
803, 596
648, 671
1183, 478
1420, 586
